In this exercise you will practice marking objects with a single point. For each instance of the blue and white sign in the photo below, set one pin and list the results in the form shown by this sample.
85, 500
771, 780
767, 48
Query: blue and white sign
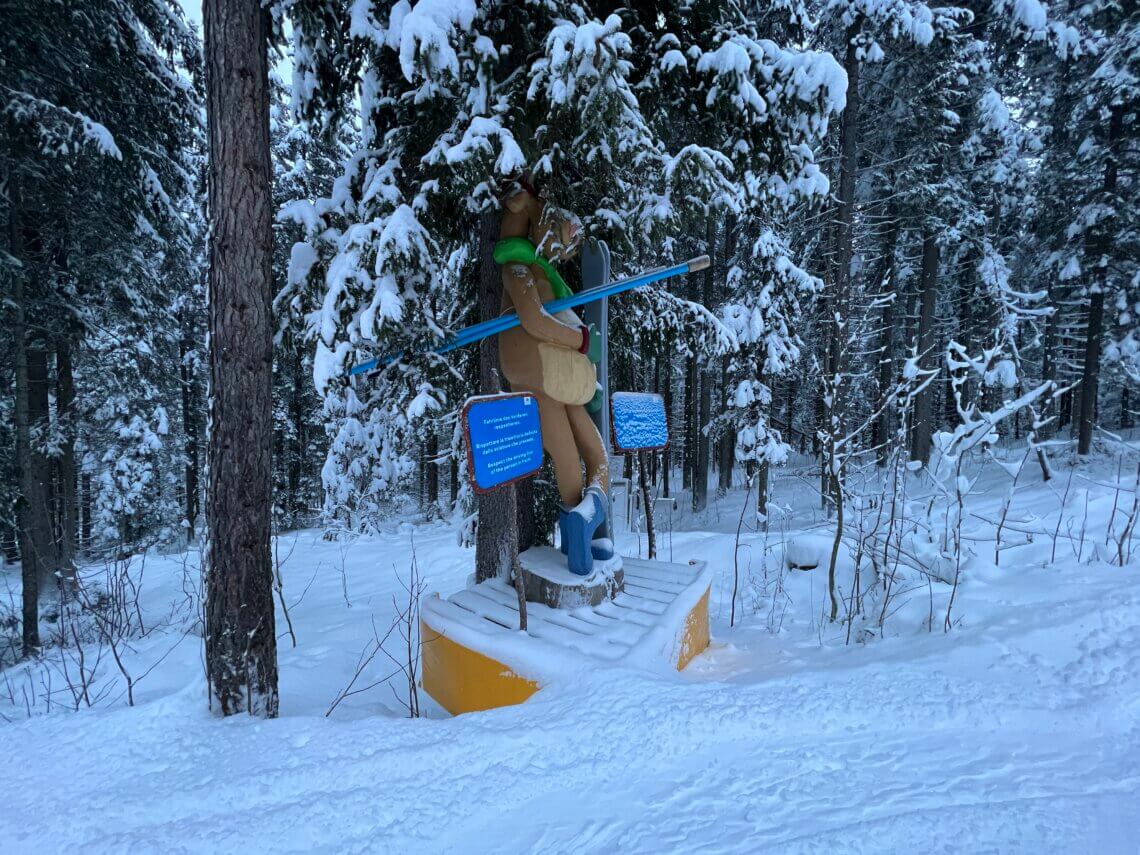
639, 421
504, 439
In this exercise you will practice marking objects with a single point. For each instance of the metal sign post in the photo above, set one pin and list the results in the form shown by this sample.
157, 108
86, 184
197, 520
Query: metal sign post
596, 271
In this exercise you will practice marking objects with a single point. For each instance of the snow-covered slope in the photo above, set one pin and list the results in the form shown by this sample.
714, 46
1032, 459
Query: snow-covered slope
1019, 730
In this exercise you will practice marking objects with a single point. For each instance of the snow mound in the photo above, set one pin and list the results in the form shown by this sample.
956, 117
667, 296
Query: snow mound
807, 551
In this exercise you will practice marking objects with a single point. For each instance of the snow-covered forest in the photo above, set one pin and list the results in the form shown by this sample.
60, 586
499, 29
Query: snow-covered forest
901, 400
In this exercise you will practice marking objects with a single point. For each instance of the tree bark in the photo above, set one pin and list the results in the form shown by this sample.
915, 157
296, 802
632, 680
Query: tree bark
241, 644
296, 500
689, 456
432, 474
882, 428
41, 497
85, 491
647, 503
29, 559
191, 427
924, 405
667, 393
701, 469
1099, 246
524, 517
1090, 372
67, 502
496, 538
832, 409
762, 491
453, 481
728, 440
1049, 372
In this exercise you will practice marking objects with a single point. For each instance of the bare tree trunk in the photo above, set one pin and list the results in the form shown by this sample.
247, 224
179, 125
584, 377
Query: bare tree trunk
832, 409
688, 459
432, 471
524, 501
647, 503
191, 427
497, 538
296, 502
41, 498
728, 441
701, 469
882, 432
29, 558
67, 502
85, 491
1090, 373
655, 458
241, 642
968, 327
831, 467
667, 393
924, 405
727, 445
762, 489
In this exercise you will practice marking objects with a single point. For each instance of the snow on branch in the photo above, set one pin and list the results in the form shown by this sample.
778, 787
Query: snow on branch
61, 132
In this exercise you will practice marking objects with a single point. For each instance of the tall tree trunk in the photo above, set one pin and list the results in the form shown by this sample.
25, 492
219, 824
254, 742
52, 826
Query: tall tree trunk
654, 458
726, 446
924, 405
689, 456
29, 557
647, 503
497, 537
41, 498
886, 367
1049, 371
432, 474
295, 501
762, 490
790, 409
85, 500
1090, 372
241, 640
1100, 244
68, 476
667, 393
524, 502
701, 469
968, 327
191, 425
831, 467
844, 253
728, 440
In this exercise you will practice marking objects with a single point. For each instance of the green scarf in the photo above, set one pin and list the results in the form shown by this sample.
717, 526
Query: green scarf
517, 250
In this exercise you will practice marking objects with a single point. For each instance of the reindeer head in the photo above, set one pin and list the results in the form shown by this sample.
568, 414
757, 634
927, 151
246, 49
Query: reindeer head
555, 232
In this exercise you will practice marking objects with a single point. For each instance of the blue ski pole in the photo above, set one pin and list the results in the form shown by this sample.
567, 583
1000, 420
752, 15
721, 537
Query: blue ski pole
480, 331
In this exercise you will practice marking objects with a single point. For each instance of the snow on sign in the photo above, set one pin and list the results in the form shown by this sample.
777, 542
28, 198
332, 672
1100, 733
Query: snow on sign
639, 422
504, 440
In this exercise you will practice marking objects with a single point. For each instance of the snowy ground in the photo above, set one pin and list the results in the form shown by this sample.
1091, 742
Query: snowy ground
1019, 730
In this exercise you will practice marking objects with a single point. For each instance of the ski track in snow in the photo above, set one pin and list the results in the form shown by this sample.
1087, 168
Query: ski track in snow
1018, 731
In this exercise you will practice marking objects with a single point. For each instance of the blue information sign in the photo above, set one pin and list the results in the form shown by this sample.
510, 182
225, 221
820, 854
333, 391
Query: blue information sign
639, 421
504, 439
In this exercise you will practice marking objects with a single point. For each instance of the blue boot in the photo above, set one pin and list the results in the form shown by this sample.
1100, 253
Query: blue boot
578, 527
602, 548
